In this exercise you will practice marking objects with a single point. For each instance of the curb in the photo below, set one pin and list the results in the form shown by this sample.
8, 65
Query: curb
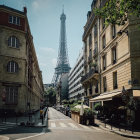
119, 133
4, 138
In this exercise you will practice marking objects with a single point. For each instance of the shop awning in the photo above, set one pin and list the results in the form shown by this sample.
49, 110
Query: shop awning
105, 96
136, 93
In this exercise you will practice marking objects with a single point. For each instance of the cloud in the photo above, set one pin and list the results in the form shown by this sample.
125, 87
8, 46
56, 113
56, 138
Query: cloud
41, 64
39, 4
35, 5
48, 50
54, 62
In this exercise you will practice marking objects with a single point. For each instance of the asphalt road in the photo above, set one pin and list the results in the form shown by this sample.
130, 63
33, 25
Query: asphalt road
61, 127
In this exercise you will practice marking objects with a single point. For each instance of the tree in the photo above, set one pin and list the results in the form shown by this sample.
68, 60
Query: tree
50, 94
117, 11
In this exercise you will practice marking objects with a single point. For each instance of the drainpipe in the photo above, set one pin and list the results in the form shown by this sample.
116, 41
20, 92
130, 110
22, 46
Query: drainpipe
99, 58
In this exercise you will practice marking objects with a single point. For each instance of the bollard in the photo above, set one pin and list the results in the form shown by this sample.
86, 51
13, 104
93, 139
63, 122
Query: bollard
16, 119
42, 119
5, 115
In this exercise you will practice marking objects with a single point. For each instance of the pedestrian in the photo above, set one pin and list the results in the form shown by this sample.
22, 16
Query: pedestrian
41, 113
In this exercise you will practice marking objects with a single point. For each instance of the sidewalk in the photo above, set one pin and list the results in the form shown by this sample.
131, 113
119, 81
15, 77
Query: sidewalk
34, 120
122, 132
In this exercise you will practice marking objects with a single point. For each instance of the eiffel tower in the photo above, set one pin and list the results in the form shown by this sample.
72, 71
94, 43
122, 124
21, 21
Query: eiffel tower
62, 61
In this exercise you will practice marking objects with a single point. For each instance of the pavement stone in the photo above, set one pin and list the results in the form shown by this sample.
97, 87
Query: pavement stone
124, 133
4, 138
35, 120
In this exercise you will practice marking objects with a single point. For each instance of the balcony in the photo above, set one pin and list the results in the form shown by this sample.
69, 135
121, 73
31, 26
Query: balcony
91, 74
90, 58
85, 63
95, 51
88, 25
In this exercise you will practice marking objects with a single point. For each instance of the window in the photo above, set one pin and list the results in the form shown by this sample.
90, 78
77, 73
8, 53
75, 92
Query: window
115, 84
114, 58
104, 41
90, 89
11, 95
104, 62
90, 40
13, 42
12, 67
104, 84
95, 51
95, 30
14, 20
96, 88
103, 23
113, 31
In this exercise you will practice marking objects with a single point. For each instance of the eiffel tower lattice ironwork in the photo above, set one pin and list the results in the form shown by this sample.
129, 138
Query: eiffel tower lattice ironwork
62, 61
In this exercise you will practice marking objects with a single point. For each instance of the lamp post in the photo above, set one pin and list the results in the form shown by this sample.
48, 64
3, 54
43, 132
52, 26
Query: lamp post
28, 104
124, 99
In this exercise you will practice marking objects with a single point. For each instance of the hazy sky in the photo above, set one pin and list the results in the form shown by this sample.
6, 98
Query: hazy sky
44, 20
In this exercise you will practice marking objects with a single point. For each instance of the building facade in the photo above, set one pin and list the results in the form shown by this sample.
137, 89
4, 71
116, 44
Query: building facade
91, 78
112, 62
21, 86
76, 90
62, 88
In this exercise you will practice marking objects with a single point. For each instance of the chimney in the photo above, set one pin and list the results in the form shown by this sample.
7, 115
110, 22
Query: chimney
25, 10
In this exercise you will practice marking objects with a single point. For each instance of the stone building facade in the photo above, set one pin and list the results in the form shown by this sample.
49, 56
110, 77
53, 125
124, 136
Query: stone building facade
21, 86
112, 61
76, 90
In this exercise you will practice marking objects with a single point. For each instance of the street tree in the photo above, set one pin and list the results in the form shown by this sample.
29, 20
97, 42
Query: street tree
118, 11
50, 95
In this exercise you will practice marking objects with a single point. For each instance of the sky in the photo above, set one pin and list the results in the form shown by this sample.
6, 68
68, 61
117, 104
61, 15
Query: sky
44, 21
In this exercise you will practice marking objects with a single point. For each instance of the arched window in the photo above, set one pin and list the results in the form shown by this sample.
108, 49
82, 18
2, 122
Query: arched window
12, 67
13, 42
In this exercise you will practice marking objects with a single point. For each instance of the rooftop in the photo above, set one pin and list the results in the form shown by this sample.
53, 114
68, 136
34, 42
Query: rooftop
11, 9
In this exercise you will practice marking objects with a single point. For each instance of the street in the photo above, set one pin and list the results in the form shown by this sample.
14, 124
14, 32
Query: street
60, 127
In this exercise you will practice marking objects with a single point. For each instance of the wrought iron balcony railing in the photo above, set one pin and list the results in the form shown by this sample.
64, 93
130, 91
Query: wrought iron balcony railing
95, 51
89, 75
85, 62
89, 58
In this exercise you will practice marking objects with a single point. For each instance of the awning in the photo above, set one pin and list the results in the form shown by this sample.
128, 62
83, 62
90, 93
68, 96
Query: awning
105, 96
136, 93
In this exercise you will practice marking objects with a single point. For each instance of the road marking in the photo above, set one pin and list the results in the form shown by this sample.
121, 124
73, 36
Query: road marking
8, 123
62, 125
96, 128
30, 136
72, 125
53, 125
59, 119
